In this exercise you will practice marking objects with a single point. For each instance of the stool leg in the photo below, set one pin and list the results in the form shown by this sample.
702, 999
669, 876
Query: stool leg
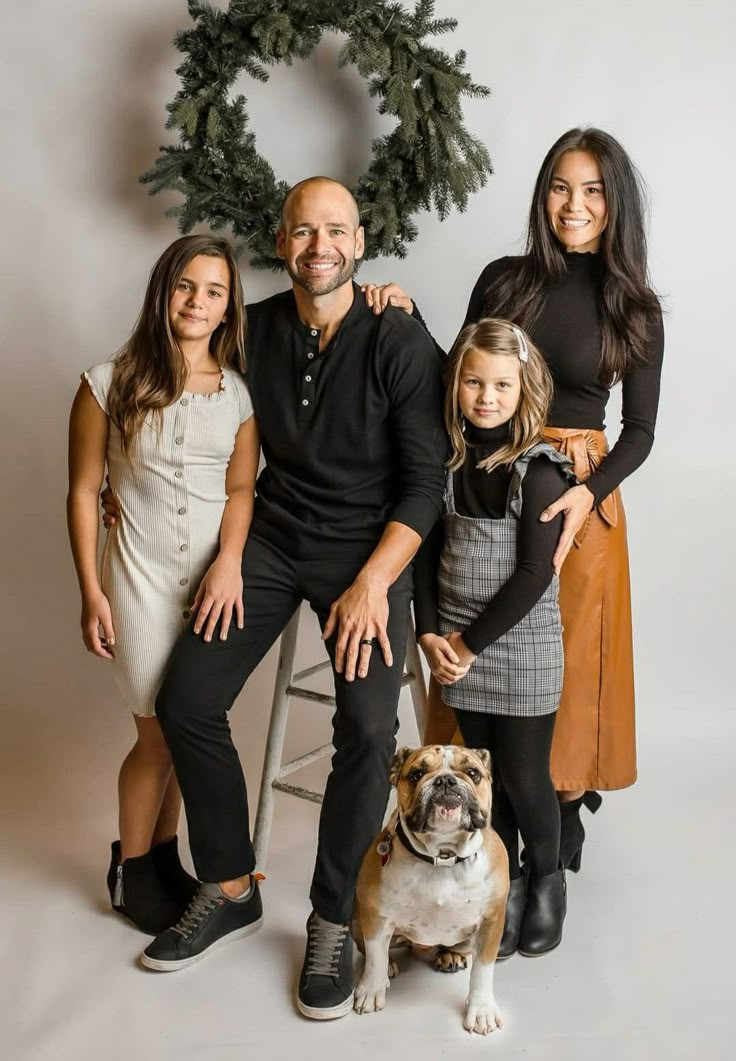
273, 756
417, 687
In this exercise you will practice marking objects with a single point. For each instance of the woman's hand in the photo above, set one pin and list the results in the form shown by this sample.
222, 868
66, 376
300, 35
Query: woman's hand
576, 503
220, 594
443, 658
461, 650
378, 296
98, 632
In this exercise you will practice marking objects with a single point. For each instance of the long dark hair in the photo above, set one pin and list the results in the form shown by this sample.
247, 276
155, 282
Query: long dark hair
150, 369
627, 302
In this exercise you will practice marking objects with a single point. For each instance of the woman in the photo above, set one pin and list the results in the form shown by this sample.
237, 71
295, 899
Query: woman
581, 291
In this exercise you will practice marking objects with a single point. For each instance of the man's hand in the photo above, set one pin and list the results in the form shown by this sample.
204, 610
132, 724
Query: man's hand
98, 632
359, 617
576, 503
110, 507
378, 296
220, 594
442, 658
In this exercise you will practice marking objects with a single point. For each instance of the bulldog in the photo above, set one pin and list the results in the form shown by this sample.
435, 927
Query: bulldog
436, 876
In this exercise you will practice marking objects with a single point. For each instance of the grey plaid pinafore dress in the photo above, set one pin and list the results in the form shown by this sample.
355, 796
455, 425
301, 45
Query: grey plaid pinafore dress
520, 673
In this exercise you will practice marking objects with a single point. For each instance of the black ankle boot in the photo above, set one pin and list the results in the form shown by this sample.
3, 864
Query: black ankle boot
514, 913
572, 833
137, 893
544, 913
178, 883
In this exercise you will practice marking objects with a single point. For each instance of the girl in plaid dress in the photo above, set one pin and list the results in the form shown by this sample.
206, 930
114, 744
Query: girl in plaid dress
487, 604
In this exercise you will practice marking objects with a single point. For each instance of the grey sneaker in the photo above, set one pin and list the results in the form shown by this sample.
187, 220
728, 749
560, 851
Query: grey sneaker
210, 920
326, 981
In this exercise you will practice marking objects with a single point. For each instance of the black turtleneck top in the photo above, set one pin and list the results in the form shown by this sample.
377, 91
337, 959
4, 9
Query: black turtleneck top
567, 332
483, 495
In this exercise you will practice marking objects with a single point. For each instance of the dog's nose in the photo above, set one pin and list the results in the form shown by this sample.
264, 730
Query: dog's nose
445, 781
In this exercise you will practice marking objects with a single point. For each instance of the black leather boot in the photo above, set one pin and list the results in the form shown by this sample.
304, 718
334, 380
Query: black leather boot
514, 913
572, 833
137, 893
544, 913
178, 883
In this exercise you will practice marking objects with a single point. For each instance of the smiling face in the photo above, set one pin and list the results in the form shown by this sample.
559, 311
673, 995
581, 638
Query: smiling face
320, 238
199, 301
489, 387
576, 202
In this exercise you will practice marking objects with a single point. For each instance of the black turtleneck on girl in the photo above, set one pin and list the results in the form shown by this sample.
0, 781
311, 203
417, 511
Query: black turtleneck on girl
483, 495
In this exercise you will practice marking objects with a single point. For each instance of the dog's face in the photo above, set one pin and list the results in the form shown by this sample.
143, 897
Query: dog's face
443, 788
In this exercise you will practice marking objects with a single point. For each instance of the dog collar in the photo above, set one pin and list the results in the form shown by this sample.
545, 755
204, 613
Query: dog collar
438, 860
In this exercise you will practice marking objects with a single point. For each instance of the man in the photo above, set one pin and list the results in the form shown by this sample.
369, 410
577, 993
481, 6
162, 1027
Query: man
348, 406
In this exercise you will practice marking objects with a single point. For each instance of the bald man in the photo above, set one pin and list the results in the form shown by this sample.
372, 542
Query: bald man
348, 405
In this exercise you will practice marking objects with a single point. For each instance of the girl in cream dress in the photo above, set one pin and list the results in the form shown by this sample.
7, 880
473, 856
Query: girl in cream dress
171, 419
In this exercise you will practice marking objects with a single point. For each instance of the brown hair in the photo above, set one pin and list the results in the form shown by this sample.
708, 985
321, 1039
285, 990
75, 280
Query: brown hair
627, 304
493, 336
150, 369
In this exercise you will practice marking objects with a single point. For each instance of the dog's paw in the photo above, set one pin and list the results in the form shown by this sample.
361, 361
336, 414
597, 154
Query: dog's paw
482, 1016
393, 969
450, 961
370, 998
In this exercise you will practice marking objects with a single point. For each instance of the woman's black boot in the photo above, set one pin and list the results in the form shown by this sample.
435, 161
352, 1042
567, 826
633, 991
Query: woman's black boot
178, 883
137, 893
514, 913
572, 833
544, 913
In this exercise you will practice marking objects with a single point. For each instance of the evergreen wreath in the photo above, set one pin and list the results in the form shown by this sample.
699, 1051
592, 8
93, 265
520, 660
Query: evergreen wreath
429, 159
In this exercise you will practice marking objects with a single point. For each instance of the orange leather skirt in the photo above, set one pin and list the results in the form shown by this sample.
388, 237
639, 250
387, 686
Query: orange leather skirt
594, 744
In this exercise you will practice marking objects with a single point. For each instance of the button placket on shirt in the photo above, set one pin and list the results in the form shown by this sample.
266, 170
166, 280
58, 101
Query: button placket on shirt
309, 374
181, 503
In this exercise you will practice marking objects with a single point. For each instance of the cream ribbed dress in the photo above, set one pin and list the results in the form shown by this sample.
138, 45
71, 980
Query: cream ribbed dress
171, 498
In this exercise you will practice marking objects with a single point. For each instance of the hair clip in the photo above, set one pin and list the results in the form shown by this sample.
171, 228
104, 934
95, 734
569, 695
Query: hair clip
523, 348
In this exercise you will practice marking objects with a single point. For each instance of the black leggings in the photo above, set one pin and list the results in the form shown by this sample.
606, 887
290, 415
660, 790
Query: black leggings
524, 799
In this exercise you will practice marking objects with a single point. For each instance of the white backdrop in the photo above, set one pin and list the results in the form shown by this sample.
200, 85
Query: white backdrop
83, 88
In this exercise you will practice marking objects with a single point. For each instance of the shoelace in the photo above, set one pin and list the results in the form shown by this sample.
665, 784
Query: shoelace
199, 908
325, 947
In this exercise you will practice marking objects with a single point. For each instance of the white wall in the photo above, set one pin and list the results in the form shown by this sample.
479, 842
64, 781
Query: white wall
83, 89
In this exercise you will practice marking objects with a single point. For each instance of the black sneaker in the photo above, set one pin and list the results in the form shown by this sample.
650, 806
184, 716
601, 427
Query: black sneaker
210, 920
326, 981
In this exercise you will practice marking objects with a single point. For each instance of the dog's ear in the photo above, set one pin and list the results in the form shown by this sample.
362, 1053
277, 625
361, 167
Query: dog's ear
485, 757
397, 762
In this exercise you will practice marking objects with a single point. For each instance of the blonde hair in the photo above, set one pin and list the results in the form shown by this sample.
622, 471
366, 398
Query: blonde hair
493, 336
150, 370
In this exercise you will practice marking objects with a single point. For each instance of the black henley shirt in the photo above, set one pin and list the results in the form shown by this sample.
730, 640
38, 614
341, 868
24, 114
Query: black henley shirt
352, 435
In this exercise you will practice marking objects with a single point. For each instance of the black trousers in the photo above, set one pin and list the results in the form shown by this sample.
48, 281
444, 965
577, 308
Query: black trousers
202, 683
524, 798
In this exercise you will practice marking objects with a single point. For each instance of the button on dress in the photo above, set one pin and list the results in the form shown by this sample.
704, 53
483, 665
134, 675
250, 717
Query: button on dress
171, 497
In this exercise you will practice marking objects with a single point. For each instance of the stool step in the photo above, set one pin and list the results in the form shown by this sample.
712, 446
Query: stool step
308, 671
304, 760
298, 791
325, 698
310, 694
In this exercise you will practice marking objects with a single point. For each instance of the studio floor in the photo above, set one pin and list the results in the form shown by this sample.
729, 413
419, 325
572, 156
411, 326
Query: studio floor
644, 971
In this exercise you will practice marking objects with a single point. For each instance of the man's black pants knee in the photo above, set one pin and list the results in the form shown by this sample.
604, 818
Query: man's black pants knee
202, 683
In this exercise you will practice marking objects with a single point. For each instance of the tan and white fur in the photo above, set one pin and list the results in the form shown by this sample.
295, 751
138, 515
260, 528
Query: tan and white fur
447, 911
